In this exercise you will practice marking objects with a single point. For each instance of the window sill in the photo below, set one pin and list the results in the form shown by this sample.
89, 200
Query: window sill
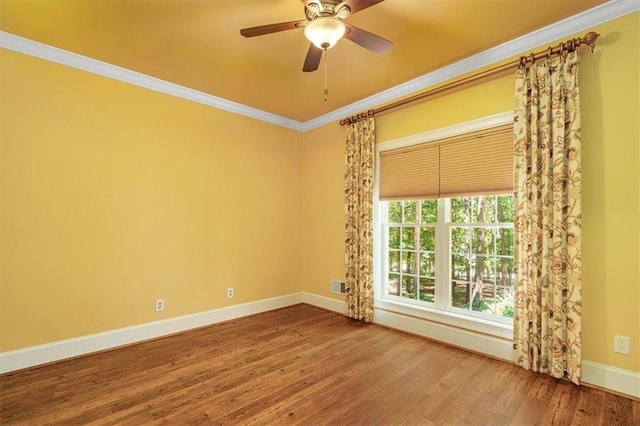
477, 325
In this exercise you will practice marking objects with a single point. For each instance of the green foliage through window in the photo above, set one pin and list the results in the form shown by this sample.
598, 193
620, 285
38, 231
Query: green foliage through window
411, 248
480, 252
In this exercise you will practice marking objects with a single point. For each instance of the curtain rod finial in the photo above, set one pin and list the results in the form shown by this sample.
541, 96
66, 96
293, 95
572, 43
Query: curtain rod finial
590, 38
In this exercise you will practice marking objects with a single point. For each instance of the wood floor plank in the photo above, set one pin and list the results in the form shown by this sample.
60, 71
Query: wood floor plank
299, 365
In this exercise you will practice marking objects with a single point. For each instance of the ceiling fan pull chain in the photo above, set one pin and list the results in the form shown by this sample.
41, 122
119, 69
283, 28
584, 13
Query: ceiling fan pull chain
326, 90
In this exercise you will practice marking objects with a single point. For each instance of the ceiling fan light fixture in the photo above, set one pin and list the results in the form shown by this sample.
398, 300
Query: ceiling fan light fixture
325, 32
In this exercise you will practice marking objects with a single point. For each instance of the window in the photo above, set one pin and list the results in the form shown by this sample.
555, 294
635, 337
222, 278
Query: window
451, 254
445, 224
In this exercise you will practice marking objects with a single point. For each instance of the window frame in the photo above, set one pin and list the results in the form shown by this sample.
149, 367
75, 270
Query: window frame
438, 312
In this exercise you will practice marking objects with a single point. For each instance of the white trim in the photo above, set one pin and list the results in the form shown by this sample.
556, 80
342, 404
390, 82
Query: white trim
447, 132
50, 352
612, 378
323, 302
477, 342
49, 53
592, 17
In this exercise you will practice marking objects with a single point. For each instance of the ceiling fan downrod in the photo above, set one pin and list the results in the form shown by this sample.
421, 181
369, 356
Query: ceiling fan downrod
326, 88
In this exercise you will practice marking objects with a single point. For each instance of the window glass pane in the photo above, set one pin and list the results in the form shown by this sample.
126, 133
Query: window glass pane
504, 242
461, 210
394, 261
505, 276
410, 211
479, 298
460, 268
409, 286
474, 210
486, 269
428, 239
460, 240
429, 211
481, 305
394, 237
504, 302
408, 238
394, 284
506, 211
484, 209
471, 272
395, 211
427, 289
409, 262
427, 265
482, 241
459, 294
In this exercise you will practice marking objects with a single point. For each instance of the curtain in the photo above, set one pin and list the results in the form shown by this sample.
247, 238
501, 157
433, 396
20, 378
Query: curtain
547, 186
358, 209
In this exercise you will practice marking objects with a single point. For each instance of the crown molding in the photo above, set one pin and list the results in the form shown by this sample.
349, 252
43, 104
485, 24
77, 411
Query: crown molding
585, 20
53, 54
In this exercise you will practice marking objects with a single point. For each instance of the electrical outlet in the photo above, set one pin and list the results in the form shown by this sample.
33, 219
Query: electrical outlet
230, 293
621, 344
159, 305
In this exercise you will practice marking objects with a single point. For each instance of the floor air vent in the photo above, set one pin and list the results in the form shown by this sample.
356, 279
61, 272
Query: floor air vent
337, 286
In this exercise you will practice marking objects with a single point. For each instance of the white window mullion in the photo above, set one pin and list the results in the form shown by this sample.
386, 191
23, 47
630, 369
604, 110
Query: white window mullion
416, 245
442, 256
380, 249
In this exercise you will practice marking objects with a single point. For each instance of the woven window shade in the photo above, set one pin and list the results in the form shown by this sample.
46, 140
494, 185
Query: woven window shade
479, 163
409, 173
470, 164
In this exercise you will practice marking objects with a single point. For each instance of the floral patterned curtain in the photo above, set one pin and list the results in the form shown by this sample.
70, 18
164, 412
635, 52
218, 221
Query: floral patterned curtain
548, 256
358, 210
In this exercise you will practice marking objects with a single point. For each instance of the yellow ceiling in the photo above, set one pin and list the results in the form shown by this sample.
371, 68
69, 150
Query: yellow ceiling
197, 43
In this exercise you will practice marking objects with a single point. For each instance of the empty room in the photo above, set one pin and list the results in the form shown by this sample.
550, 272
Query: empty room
358, 212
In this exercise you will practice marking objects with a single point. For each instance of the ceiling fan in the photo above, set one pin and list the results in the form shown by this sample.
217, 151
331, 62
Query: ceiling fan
324, 27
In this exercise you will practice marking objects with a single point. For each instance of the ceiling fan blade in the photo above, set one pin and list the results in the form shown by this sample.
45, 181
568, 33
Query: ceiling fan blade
368, 40
272, 28
312, 61
357, 5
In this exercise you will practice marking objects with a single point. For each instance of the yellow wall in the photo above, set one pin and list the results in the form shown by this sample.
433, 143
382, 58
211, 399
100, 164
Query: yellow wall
114, 195
323, 208
610, 100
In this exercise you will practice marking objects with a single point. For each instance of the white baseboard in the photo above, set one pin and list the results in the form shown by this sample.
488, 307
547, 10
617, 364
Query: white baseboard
611, 378
50, 352
600, 375
324, 302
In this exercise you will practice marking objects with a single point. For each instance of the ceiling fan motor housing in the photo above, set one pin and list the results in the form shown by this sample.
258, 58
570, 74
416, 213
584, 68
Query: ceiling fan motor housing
326, 8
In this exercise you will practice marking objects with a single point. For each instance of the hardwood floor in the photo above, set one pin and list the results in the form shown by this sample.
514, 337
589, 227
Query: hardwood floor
299, 365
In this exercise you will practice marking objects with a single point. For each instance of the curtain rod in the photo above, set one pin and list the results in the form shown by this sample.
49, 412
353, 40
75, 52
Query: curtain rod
568, 46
